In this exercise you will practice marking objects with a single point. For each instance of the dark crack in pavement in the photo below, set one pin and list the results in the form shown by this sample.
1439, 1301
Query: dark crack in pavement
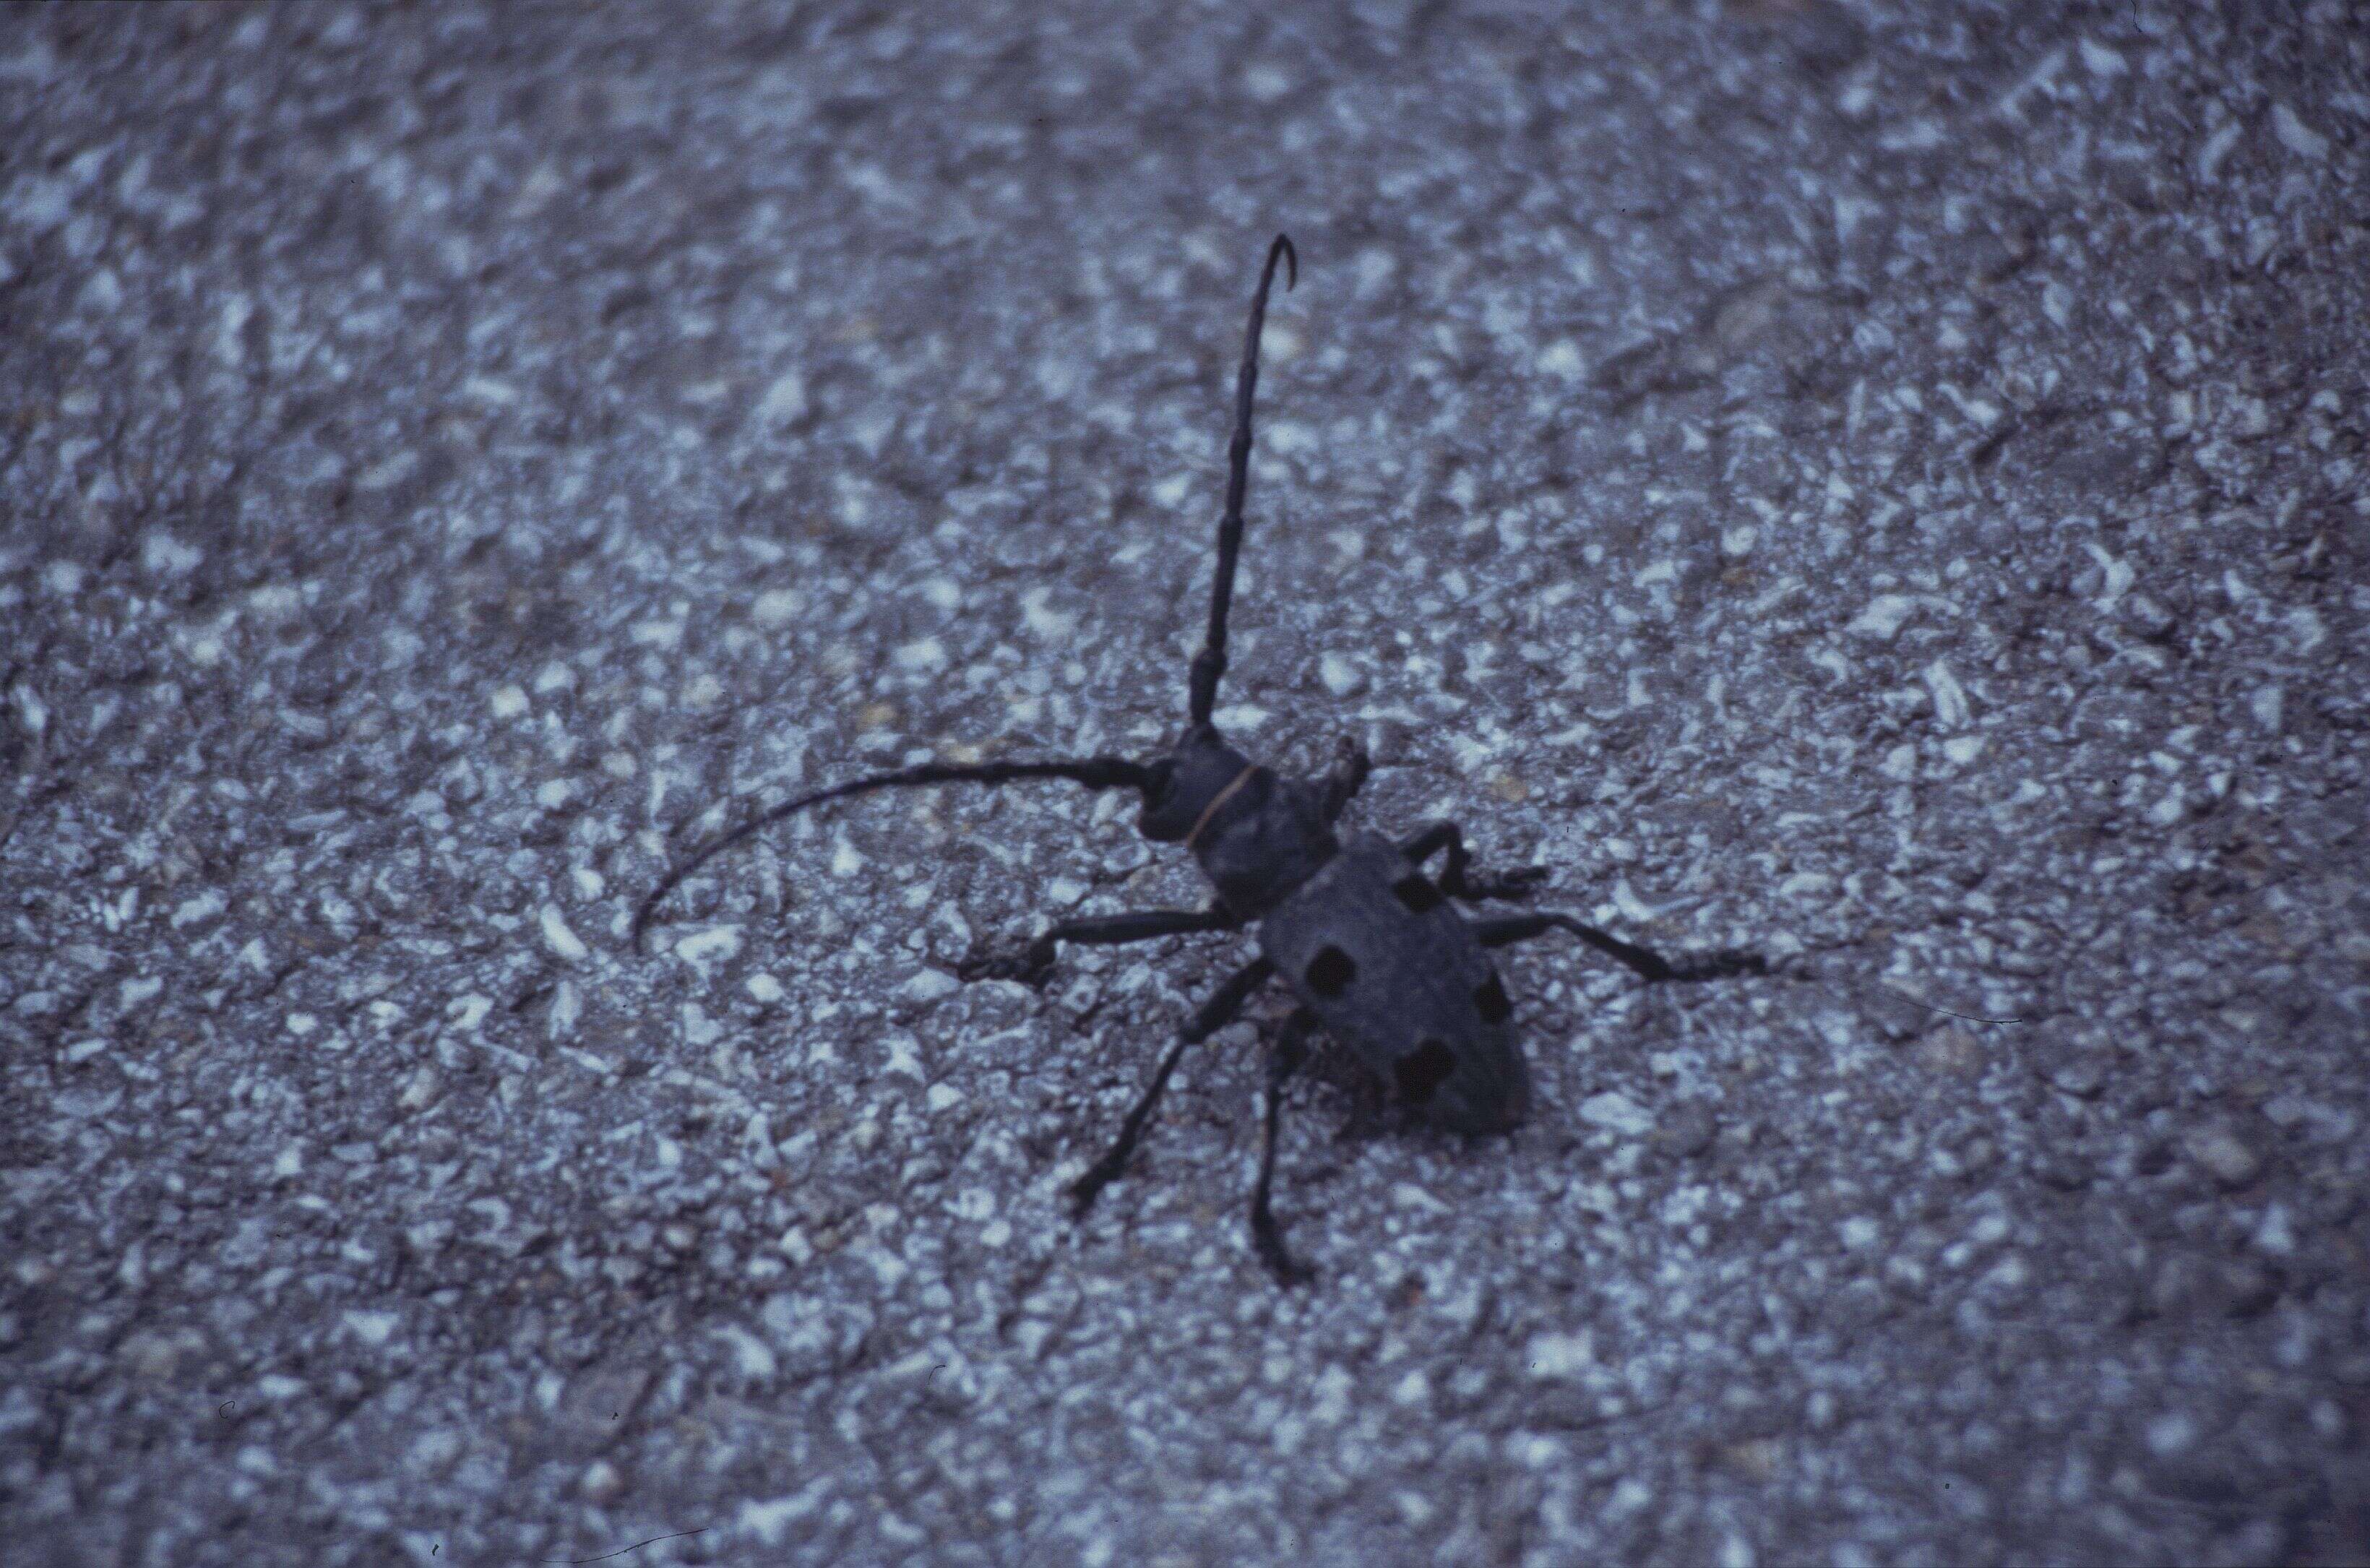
1883, 485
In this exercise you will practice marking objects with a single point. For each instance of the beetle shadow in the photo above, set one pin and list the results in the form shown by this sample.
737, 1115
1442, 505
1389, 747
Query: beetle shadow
1372, 1109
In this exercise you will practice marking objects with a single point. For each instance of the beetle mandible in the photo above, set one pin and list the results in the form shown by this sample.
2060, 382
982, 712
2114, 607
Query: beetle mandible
1374, 951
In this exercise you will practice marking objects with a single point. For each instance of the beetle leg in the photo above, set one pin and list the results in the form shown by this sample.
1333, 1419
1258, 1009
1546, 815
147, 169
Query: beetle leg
1719, 964
1284, 1059
1458, 881
1033, 963
1213, 1016
1343, 780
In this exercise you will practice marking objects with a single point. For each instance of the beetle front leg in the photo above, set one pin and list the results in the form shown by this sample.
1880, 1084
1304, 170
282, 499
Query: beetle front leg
1213, 1016
1032, 963
1457, 880
1719, 964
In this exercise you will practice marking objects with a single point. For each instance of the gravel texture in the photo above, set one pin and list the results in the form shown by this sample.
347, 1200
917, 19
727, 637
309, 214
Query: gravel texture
1884, 485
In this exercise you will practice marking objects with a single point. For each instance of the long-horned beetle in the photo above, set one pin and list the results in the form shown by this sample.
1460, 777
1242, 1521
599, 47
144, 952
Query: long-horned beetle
1376, 952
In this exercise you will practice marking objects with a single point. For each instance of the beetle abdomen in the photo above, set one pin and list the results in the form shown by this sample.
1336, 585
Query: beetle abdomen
1393, 972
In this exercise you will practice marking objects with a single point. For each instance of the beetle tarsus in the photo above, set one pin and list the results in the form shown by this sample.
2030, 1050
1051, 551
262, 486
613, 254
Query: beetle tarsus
1023, 966
1510, 886
1719, 964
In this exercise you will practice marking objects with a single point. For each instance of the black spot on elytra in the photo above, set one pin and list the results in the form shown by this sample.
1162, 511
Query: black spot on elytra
1415, 891
1491, 997
1331, 972
1423, 1069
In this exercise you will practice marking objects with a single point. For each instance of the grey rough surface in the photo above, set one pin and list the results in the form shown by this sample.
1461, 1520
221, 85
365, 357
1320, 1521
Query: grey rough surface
1884, 486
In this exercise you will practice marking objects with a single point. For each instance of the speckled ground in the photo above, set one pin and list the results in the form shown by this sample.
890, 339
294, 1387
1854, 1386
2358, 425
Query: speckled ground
1885, 485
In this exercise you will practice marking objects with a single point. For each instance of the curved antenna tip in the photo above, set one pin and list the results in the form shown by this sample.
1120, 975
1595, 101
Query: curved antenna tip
1290, 260
1946, 1012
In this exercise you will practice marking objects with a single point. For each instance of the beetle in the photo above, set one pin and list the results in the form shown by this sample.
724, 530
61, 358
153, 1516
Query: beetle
1376, 952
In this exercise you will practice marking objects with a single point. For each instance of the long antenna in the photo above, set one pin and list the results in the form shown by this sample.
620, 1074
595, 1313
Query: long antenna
1210, 664
1094, 772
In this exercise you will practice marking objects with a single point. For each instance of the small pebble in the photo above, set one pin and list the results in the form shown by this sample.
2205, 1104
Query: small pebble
2077, 1070
601, 1482
1617, 1112
1341, 678
2216, 1148
1686, 1131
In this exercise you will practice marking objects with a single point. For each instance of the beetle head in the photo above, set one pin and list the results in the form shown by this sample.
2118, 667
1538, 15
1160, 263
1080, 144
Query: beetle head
1182, 785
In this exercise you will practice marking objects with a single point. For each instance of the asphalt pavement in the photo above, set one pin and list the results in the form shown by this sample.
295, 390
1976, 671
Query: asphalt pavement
1881, 486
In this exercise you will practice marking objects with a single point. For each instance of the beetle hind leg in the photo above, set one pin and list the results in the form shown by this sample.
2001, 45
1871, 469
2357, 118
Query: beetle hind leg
1716, 963
1284, 1059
